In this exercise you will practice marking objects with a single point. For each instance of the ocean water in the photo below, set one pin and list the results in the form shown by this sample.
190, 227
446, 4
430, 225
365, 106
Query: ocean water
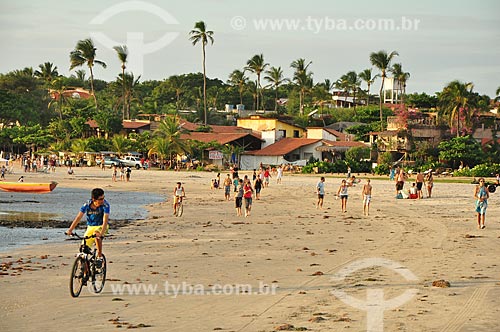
59, 207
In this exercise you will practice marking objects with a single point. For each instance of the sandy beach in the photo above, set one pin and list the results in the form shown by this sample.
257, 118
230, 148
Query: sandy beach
283, 268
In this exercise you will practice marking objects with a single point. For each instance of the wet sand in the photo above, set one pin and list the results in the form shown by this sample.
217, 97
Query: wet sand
290, 253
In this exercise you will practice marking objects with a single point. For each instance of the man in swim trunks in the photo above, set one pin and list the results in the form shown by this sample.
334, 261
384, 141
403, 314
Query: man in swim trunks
420, 182
367, 197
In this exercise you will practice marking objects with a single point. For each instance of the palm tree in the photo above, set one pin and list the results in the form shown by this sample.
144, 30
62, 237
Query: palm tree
58, 98
122, 52
257, 65
303, 79
238, 78
366, 75
382, 61
159, 147
252, 87
128, 82
497, 93
178, 85
275, 78
80, 146
402, 77
47, 72
201, 34
455, 101
349, 82
120, 144
170, 130
80, 75
85, 53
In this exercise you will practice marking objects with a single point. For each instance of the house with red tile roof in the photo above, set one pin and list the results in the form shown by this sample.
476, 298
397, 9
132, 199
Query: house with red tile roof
129, 126
246, 140
285, 151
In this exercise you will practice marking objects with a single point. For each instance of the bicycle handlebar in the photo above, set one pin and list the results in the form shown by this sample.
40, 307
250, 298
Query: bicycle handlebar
82, 238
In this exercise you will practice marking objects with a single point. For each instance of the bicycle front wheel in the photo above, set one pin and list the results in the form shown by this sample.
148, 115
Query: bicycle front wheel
99, 276
180, 209
77, 276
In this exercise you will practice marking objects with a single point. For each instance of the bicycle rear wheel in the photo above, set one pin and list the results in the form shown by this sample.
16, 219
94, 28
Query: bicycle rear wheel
180, 209
77, 276
99, 276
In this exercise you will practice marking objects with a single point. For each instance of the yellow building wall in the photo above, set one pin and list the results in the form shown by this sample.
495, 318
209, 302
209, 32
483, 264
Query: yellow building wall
315, 133
269, 124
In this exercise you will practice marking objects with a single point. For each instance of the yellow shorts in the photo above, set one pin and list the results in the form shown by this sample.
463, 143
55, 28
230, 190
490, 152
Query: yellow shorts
91, 231
177, 199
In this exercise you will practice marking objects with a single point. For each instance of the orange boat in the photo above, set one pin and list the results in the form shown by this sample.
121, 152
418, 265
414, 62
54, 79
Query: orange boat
25, 187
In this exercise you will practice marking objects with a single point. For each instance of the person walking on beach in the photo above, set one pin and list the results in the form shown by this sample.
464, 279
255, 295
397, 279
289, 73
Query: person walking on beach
400, 180
227, 187
238, 199
179, 193
342, 193
429, 183
320, 189
122, 173
247, 194
258, 187
115, 172
267, 176
236, 182
481, 194
279, 174
367, 197
127, 173
420, 182
97, 212
392, 173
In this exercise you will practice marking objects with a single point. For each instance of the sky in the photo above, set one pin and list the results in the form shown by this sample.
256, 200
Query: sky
437, 41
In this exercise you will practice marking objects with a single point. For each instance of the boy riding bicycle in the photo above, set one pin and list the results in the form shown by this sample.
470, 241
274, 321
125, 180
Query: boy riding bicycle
178, 194
97, 211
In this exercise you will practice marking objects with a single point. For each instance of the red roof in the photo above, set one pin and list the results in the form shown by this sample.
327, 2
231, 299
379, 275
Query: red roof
185, 124
485, 141
221, 138
190, 126
135, 124
92, 124
126, 124
338, 134
284, 146
72, 93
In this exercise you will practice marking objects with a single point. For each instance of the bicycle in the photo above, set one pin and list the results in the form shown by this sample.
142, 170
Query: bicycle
85, 269
179, 206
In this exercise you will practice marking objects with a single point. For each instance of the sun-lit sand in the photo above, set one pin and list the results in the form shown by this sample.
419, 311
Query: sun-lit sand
293, 256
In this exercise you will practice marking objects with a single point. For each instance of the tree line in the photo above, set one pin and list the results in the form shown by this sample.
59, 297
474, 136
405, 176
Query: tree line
27, 95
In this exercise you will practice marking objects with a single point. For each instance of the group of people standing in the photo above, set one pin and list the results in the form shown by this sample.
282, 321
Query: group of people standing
422, 179
343, 194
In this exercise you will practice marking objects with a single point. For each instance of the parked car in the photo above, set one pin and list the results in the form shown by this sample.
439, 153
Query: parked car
111, 161
131, 161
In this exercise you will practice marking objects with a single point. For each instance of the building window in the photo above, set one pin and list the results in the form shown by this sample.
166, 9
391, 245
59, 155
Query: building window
296, 134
